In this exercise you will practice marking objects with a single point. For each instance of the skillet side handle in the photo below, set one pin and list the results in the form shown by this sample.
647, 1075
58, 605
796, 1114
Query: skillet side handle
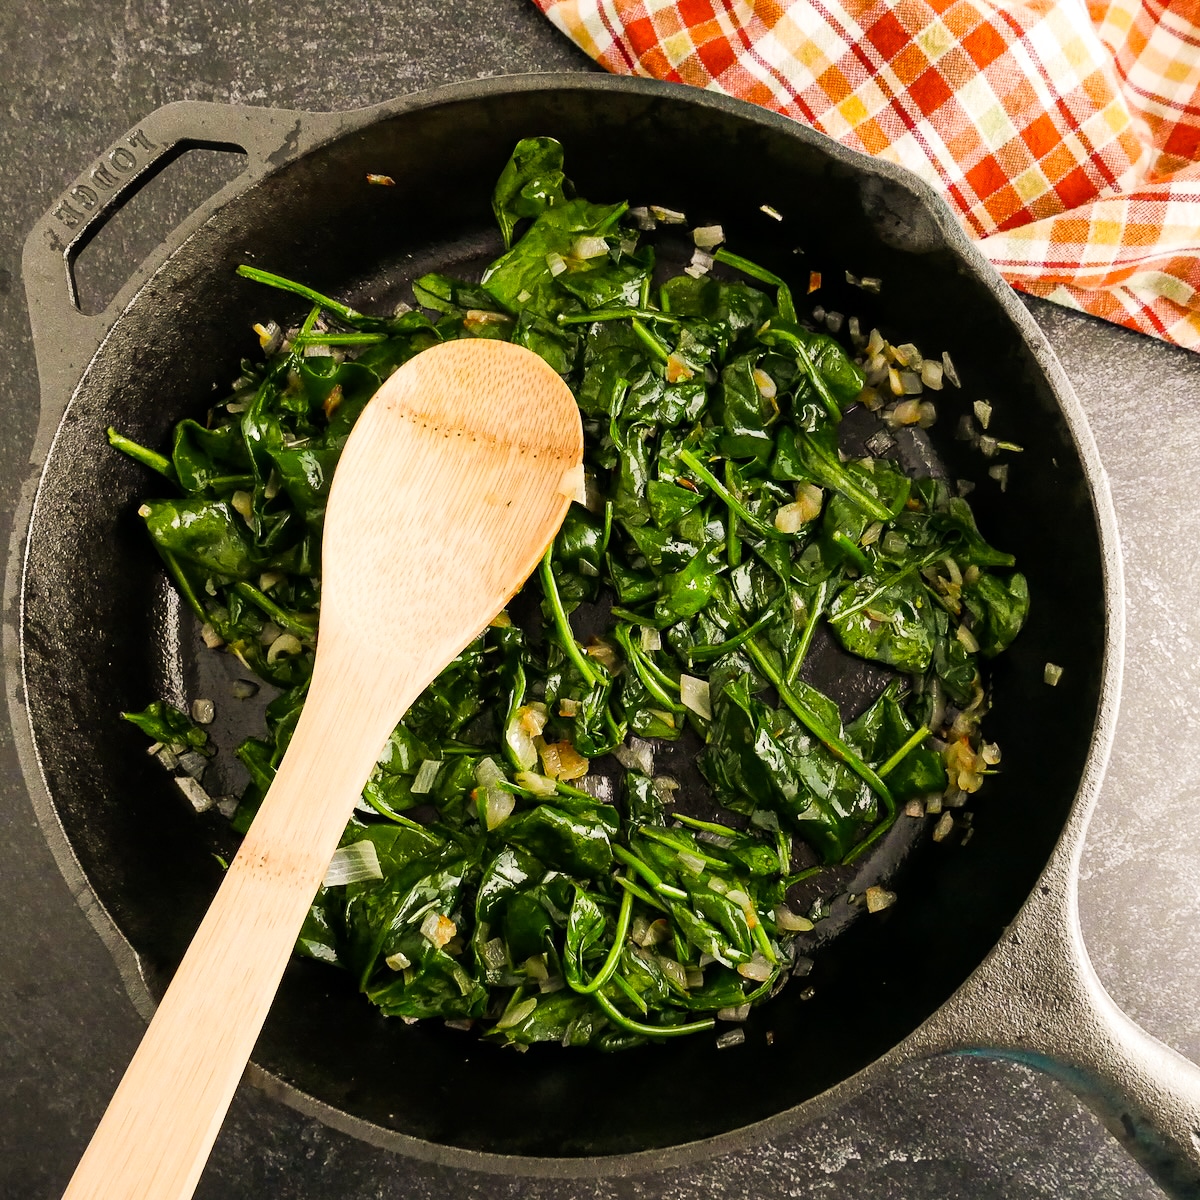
1038, 1001
64, 337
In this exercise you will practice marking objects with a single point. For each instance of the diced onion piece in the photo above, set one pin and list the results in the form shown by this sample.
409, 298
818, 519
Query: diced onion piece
203, 712
914, 808
730, 1038
519, 736
814, 281
765, 384
398, 961
498, 806
875, 342
535, 967
517, 1014
573, 484
791, 922
665, 788
740, 898
604, 653
944, 827
437, 928
567, 707
501, 620
694, 694
270, 336
870, 283
757, 969
599, 787
948, 369
833, 321
677, 370
539, 785
967, 638
487, 772
700, 265
495, 955
284, 644
668, 216
197, 797
211, 638
895, 384
735, 1013
1052, 674
773, 213
651, 639
556, 263
589, 247
983, 412
927, 414
790, 518
641, 217
636, 755
422, 785
879, 898
999, 472
990, 753
656, 931
693, 862
560, 760
354, 863
931, 374
533, 717
380, 180
243, 689
481, 318
707, 237
243, 502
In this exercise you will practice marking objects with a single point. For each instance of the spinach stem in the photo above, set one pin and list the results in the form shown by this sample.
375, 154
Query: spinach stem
185, 584
800, 350
896, 759
617, 1017
759, 527
647, 872
733, 543
339, 339
648, 339
810, 628
569, 644
814, 725
350, 315
641, 894
718, 648
617, 314
633, 997
708, 826
614, 955
280, 616
642, 668
144, 455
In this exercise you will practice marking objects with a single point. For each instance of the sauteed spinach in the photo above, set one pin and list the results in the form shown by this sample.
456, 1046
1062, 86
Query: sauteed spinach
501, 871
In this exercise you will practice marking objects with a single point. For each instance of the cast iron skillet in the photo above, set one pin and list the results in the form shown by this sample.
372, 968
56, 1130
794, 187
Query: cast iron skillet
982, 953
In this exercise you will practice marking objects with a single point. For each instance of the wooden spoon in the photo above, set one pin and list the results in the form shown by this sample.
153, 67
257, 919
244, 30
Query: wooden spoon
451, 486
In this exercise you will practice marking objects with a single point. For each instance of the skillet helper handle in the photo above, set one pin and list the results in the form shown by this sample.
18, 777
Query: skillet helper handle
64, 337
1039, 1002
155, 1136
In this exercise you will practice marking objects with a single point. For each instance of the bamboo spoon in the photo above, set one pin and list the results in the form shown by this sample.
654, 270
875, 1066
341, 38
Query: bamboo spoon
453, 483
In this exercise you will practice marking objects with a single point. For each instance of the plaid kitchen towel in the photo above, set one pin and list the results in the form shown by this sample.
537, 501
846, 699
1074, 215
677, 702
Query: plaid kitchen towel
1066, 135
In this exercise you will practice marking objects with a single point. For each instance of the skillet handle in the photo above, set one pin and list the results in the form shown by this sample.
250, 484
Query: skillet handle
1038, 1001
64, 337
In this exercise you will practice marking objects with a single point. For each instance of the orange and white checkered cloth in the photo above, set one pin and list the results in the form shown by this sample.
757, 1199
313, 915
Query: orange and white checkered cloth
1066, 134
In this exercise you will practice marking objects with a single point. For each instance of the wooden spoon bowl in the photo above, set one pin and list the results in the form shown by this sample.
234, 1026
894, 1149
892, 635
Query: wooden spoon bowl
452, 484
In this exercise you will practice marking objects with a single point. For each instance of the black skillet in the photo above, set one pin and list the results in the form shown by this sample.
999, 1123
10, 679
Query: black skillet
982, 953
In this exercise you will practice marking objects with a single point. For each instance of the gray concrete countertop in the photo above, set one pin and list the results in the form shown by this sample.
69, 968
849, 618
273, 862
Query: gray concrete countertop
76, 75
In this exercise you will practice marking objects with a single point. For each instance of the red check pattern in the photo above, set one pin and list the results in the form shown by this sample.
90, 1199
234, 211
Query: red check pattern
1066, 134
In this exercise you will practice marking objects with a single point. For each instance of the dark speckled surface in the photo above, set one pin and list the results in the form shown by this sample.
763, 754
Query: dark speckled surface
73, 77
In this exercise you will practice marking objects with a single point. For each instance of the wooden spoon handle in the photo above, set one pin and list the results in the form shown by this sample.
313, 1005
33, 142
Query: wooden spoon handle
154, 1138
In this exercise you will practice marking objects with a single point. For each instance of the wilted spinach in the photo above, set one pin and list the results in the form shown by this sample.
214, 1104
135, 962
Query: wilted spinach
721, 524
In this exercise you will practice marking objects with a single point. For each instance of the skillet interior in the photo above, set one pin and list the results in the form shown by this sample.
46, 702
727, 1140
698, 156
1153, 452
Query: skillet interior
101, 632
